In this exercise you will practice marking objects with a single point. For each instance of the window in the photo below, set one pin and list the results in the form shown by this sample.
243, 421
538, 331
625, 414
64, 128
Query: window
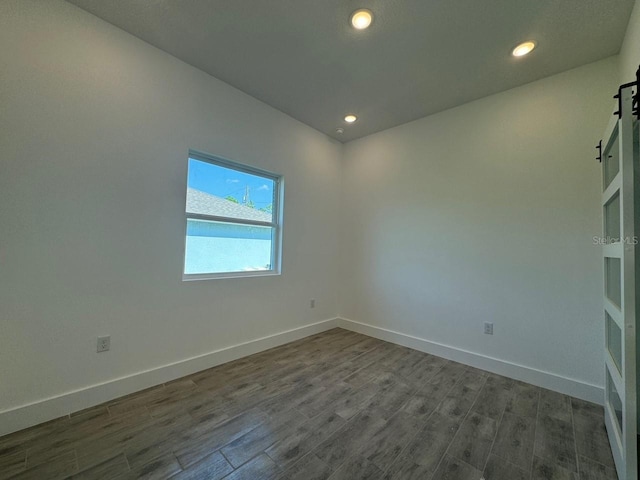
233, 225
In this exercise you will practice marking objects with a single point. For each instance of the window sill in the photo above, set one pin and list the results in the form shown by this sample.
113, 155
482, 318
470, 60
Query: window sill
217, 276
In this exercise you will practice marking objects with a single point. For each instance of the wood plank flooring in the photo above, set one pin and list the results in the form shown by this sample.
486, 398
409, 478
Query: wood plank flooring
337, 405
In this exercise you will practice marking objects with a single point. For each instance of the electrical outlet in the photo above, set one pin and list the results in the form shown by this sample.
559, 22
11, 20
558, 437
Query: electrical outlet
312, 303
488, 328
104, 343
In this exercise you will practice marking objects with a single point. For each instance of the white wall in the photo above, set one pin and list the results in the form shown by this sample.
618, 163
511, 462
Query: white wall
486, 212
95, 126
630, 52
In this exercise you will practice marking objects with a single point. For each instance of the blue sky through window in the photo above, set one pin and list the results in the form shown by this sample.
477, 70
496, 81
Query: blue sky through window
224, 182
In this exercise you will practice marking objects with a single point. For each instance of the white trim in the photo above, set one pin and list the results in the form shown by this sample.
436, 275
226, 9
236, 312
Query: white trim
231, 220
551, 381
612, 189
191, 277
612, 250
614, 312
41, 411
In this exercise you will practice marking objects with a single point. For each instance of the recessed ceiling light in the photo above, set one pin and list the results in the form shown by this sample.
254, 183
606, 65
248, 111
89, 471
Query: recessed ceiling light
361, 19
350, 118
522, 49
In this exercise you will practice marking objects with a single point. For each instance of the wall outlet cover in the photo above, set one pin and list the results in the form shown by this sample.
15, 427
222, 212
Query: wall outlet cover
104, 343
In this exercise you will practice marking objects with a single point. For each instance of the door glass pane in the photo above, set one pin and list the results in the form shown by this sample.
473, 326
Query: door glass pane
612, 280
614, 341
612, 219
614, 401
217, 247
610, 160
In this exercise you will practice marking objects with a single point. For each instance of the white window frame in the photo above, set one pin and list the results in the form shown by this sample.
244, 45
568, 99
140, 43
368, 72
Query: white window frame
275, 224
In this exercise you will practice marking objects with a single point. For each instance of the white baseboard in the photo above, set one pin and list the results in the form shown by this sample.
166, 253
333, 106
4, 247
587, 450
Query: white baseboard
54, 407
551, 381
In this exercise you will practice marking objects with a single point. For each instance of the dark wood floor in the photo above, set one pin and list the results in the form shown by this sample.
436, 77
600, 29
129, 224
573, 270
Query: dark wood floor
337, 405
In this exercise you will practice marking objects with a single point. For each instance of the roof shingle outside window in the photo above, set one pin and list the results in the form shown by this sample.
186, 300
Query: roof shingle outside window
202, 203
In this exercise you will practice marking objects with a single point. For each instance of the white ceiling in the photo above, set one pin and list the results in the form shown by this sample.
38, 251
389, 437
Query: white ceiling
419, 56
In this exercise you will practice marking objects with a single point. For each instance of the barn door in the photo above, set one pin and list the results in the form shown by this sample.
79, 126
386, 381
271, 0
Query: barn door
620, 208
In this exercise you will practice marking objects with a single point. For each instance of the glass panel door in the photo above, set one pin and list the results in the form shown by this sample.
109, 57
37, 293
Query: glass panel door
620, 178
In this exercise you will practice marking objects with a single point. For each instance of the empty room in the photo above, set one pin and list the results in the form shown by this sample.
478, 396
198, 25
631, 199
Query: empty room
319, 240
